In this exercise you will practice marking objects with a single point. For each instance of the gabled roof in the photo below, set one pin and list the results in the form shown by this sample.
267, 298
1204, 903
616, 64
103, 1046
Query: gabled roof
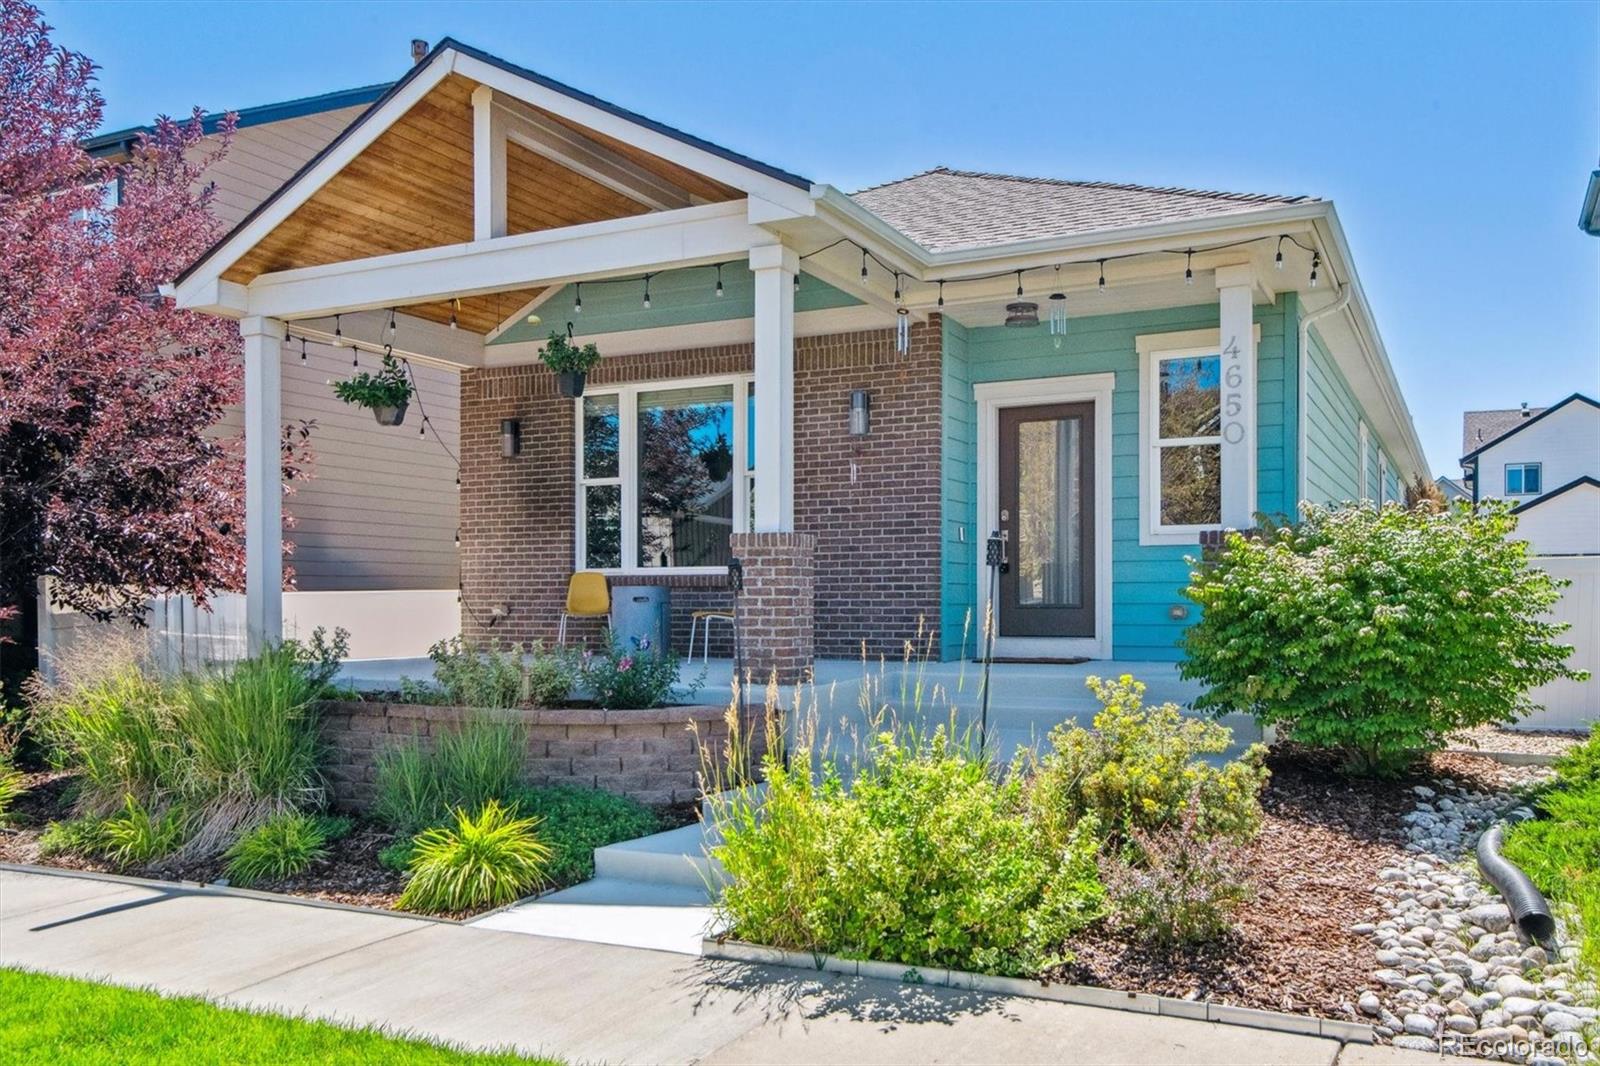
1480, 427
102, 144
944, 209
1575, 483
1524, 423
1589, 217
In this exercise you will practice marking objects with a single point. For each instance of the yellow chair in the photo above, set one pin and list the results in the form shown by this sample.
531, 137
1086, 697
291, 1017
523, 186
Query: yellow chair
588, 596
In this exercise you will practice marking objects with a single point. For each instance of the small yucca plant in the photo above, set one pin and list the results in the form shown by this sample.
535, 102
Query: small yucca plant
484, 861
282, 846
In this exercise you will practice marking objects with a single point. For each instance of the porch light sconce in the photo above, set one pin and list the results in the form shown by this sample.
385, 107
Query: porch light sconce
1178, 612
860, 412
510, 438
1022, 314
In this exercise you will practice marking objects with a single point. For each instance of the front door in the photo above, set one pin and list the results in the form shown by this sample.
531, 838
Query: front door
1047, 514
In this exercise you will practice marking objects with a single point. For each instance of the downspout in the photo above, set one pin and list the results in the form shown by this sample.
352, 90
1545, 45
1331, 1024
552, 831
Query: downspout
1305, 358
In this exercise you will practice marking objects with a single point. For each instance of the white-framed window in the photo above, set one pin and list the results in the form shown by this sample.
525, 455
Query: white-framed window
1383, 477
665, 473
1524, 479
1363, 450
1183, 434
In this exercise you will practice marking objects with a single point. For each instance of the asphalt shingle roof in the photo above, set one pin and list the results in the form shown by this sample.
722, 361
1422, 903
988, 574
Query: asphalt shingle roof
1480, 427
944, 210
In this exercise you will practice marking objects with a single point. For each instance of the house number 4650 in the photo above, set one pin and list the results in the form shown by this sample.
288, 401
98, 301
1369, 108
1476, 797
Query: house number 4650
1232, 396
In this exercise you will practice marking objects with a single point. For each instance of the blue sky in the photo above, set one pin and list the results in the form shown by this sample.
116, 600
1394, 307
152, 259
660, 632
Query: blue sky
1456, 140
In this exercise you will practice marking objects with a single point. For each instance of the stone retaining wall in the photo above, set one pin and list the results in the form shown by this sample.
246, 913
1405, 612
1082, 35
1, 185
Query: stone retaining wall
653, 756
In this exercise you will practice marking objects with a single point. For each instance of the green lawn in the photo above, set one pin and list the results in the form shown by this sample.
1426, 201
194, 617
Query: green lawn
64, 1022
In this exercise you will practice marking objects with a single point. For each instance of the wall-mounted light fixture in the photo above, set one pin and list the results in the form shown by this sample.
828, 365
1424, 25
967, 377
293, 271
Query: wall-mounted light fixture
860, 412
1178, 612
510, 437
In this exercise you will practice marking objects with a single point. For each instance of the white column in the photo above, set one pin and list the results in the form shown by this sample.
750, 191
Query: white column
1236, 287
263, 480
488, 166
774, 267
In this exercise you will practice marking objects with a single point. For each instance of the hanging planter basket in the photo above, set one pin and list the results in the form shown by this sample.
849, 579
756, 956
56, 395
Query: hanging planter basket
390, 416
568, 362
570, 383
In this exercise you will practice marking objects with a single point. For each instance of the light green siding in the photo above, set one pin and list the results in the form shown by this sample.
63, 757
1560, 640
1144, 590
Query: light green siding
1333, 434
957, 612
1146, 580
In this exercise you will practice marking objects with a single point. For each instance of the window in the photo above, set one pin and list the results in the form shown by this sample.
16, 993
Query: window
1186, 436
665, 474
1524, 479
1364, 446
1383, 477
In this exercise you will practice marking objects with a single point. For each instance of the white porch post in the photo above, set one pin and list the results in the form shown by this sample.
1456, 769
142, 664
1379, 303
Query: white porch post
488, 166
263, 476
1236, 296
774, 267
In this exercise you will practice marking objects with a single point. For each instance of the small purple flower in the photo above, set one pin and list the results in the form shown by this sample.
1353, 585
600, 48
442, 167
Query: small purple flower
624, 663
644, 643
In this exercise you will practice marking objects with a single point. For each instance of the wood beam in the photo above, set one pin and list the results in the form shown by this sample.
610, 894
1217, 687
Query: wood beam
488, 166
569, 148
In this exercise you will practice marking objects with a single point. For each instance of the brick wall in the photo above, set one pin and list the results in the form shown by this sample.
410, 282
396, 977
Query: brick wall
872, 505
653, 756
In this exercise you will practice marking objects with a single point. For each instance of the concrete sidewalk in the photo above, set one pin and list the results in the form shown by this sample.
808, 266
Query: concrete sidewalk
578, 1001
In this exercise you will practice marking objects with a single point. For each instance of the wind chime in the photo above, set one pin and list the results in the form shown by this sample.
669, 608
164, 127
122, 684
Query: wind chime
902, 325
1058, 314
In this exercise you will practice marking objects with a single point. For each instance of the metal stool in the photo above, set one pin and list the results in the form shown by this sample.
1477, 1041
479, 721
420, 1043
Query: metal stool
699, 619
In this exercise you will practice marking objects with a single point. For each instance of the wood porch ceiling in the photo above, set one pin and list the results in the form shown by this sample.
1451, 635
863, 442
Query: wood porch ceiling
412, 189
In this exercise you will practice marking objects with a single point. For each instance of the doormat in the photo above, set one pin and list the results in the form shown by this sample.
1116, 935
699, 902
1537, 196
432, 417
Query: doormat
1035, 660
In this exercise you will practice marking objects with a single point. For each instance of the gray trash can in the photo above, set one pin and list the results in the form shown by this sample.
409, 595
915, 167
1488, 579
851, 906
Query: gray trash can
642, 613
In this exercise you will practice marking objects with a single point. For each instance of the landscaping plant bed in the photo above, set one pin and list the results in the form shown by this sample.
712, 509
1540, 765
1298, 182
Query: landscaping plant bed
351, 874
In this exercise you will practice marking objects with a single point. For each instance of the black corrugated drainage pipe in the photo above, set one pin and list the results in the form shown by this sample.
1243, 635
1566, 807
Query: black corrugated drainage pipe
1527, 903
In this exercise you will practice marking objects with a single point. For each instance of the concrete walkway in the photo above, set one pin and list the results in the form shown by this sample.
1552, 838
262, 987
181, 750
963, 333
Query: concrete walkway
578, 1001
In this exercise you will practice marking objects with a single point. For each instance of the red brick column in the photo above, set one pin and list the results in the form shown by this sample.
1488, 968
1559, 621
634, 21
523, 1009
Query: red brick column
777, 606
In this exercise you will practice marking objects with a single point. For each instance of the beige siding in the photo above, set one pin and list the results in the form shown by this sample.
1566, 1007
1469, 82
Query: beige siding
379, 511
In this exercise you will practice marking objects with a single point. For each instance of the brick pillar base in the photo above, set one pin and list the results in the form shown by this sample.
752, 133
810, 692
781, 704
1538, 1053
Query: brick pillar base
776, 608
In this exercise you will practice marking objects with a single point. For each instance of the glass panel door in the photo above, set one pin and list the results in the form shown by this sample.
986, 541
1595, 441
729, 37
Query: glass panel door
1047, 512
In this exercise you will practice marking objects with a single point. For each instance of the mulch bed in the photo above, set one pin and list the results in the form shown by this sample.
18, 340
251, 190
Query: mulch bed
351, 874
1323, 839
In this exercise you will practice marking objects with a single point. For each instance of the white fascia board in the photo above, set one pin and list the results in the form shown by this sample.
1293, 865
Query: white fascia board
1375, 356
658, 241
852, 220
212, 295
659, 144
302, 189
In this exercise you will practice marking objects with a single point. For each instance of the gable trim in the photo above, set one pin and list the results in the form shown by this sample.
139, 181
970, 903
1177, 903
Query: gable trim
1546, 413
1575, 483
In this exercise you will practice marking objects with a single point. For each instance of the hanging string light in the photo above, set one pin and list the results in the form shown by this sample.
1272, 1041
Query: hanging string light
1058, 313
455, 306
1316, 261
338, 333
719, 280
897, 286
647, 292
1277, 260
1102, 285
1188, 270
1019, 284
797, 283
863, 266
302, 349
577, 305
941, 296
391, 326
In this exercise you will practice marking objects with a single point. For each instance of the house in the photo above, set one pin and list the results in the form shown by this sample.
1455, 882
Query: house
849, 394
1452, 489
374, 528
1546, 460
1589, 216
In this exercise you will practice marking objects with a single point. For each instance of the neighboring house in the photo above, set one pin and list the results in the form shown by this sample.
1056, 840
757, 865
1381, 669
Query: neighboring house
1104, 373
375, 526
1452, 489
1589, 216
1547, 461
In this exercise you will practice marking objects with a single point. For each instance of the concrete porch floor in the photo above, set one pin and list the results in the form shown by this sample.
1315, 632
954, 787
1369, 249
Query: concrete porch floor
1026, 700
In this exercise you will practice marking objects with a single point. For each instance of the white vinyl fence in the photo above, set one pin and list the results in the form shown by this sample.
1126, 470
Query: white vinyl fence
392, 624
1573, 704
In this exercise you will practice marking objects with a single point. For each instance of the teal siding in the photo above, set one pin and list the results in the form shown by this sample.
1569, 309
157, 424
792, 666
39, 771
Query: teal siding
1146, 580
677, 298
1333, 435
959, 623
1392, 489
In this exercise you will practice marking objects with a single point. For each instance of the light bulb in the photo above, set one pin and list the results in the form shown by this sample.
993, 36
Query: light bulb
1277, 261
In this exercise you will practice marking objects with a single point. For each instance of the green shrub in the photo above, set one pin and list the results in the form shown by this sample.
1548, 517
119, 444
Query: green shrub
252, 745
928, 859
1561, 850
1138, 767
550, 680
479, 761
283, 845
11, 779
1377, 633
635, 677
486, 860
575, 821
83, 836
138, 835
397, 854
1178, 885
472, 675
319, 657
113, 724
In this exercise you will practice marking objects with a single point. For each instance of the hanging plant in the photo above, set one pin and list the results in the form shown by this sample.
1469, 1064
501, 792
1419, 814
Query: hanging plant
570, 363
385, 393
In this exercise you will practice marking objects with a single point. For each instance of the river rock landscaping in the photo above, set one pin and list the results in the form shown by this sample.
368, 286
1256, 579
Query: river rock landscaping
1454, 972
